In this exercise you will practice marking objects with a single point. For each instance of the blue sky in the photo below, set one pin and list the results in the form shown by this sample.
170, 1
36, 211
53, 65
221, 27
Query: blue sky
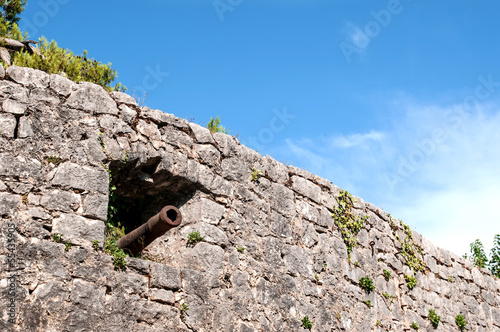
394, 101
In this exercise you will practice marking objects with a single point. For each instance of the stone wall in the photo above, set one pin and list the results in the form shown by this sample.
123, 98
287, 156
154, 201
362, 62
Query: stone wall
272, 252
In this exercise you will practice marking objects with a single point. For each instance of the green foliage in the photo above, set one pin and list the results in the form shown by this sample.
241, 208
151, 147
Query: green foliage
306, 323
495, 257
387, 274
56, 60
9, 16
348, 224
67, 246
450, 279
117, 253
95, 244
378, 323
414, 326
356, 264
194, 237
434, 318
411, 282
53, 160
367, 284
368, 303
57, 237
215, 127
461, 322
478, 254
241, 249
255, 174
409, 249
184, 309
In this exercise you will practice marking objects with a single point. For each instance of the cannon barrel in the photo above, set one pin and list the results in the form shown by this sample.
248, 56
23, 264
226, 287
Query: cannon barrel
135, 241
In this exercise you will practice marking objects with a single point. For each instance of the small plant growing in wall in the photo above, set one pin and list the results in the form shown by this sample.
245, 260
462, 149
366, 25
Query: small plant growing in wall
306, 323
411, 282
461, 322
367, 284
387, 274
117, 253
184, 309
57, 237
434, 318
378, 323
256, 173
348, 224
67, 246
368, 303
414, 326
194, 237
241, 249
95, 244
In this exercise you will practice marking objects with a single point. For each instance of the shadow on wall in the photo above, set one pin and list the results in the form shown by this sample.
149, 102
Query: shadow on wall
142, 190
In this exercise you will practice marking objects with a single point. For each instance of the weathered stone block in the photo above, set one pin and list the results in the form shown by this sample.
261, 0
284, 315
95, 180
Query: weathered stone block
14, 107
28, 77
61, 201
96, 206
306, 188
162, 296
82, 177
12, 90
62, 85
7, 125
25, 127
163, 276
79, 230
201, 134
92, 98
9, 203
123, 98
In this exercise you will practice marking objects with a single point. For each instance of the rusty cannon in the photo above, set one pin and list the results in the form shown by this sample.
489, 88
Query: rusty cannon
135, 241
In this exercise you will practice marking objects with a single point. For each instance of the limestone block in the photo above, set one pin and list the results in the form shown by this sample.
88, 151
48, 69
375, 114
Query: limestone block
163, 276
92, 98
62, 85
127, 114
7, 125
44, 96
25, 127
114, 125
123, 98
96, 206
82, 177
28, 77
14, 107
284, 200
79, 230
162, 296
9, 203
163, 118
208, 154
201, 134
306, 188
12, 90
61, 201
228, 145
211, 233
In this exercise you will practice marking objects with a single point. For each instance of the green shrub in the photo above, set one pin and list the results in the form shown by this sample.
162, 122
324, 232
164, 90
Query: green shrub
215, 127
434, 318
461, 322
67, 246
55, 60
241, 249
57, 237
387, 274
117, 253
306, 323
367, 284
368, 303
411, 282
95, 244
194, 237
414, 326
184, 309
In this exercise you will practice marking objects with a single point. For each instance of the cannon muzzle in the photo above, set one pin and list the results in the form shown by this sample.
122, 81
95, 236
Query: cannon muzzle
135, 241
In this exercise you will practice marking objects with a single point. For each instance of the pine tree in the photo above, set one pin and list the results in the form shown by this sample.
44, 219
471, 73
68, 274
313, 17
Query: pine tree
9, 16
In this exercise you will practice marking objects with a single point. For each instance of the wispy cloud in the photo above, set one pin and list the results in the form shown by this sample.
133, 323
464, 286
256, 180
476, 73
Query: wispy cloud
439, 175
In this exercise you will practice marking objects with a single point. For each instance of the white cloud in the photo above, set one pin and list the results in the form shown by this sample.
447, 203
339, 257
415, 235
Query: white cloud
437, 168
